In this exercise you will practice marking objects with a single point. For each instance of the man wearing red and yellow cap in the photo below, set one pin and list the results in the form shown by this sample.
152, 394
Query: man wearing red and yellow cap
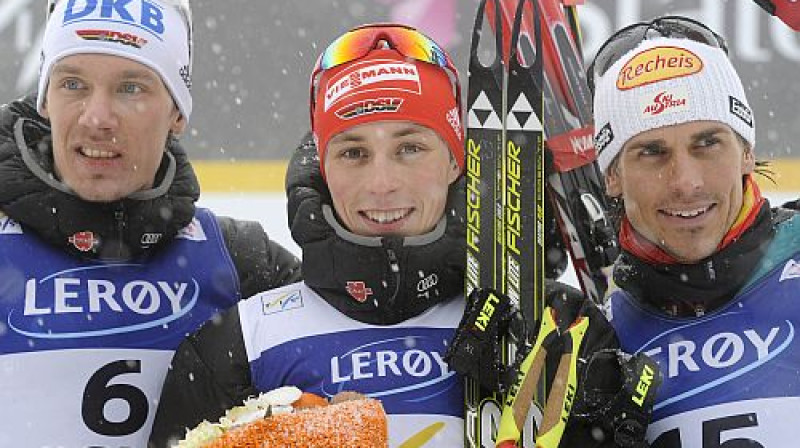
377, 213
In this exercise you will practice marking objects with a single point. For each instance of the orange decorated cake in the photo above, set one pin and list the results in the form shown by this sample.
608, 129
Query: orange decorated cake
289, 418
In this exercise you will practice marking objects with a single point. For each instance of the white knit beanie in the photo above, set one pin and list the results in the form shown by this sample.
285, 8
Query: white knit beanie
151, 32
663, 82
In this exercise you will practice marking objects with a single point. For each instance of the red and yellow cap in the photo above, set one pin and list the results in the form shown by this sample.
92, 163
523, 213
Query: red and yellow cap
386, 85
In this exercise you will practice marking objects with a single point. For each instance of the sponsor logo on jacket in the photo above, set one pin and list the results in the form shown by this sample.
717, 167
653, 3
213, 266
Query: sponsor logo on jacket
694, 362
791, 270
8, 226
284, 302
358, 290
192, 232
93, 301
388, 367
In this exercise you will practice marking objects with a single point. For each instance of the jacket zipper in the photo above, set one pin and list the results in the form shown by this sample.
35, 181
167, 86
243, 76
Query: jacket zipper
389, 245
119, 218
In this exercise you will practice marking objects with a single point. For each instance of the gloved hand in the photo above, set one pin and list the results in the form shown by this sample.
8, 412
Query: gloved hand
475, 349
621, 410
572, 342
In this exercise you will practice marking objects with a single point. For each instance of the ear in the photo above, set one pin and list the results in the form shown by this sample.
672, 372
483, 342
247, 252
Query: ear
45, 113
613, 182
454, 171
749, 162
179, 124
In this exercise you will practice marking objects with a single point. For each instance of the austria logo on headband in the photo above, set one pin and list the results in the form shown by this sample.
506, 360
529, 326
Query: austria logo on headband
375, 75
665, 101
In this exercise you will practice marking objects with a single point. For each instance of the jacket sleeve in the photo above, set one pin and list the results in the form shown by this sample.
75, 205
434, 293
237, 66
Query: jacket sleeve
209, 374
261, 263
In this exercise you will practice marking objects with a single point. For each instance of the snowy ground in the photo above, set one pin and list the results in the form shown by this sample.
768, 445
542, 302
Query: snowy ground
270, 210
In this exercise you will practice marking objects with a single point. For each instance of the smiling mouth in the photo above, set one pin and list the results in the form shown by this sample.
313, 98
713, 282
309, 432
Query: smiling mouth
386, 216
94, 153
688, 214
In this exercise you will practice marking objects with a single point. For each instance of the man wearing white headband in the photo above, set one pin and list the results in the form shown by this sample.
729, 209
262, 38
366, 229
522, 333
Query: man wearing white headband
105, 263
707, 277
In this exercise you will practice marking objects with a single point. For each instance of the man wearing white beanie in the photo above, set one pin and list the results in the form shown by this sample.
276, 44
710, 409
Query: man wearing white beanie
707, 278
105, 262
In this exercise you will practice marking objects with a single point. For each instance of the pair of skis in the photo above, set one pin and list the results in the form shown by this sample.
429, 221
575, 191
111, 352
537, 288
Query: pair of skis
528, 108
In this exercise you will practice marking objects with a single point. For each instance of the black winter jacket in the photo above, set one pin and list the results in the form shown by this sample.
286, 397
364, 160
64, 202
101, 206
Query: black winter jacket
260, 263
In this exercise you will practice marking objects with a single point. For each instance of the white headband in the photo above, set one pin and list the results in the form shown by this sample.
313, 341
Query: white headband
150, 32
664, 82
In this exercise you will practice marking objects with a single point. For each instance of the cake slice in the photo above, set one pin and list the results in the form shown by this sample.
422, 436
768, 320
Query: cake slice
289, 418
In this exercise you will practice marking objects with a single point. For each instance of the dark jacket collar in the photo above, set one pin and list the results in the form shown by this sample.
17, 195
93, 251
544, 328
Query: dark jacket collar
695, 289
124, 229
377, 280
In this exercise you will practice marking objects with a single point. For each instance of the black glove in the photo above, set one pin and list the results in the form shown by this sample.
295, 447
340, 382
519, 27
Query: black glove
475, 349
617, 396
